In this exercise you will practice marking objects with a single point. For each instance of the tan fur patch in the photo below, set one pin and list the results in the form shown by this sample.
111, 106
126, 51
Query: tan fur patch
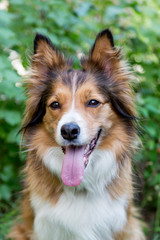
39, 179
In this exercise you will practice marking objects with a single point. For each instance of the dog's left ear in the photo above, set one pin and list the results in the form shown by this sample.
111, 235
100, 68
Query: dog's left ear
103, 53
105, 58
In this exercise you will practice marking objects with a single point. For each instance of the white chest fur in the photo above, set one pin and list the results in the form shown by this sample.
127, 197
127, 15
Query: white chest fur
92, 215
79, 217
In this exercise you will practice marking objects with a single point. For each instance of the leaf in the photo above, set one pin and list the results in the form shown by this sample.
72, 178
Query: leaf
5, 192
83, 9
5, 18
13, 137
6, 35
11, 117
7, 173
151, 130
113, 11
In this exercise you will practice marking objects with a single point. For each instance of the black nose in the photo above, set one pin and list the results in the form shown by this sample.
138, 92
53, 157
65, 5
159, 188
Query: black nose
70, 131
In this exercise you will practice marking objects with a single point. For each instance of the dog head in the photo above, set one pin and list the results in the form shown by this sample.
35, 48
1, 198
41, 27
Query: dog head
79, 109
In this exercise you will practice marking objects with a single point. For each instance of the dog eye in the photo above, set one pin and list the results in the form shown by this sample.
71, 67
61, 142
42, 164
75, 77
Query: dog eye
93, 103
55, 105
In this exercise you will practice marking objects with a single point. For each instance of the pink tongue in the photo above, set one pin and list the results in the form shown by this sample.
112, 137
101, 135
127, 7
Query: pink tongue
73, 166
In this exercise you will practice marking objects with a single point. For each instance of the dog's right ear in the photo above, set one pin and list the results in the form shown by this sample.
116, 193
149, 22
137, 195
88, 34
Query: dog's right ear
46, 61
40, 42
46, 57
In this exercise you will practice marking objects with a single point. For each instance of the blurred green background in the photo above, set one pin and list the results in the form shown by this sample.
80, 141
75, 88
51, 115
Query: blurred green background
72, 26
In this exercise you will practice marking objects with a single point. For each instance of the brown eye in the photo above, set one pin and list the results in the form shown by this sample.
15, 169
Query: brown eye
93, 103
55, 105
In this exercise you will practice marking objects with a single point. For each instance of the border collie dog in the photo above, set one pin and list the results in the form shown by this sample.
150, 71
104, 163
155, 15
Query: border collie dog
80, 135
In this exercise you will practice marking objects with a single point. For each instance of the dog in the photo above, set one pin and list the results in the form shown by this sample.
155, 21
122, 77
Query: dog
80, 132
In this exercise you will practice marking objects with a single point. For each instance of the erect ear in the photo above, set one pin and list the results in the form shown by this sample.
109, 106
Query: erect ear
103, 53
46, 57
46, 60
105, 58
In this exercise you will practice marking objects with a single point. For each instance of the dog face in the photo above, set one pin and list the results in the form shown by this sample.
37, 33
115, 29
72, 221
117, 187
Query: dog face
76, 111
75, 116
79, 109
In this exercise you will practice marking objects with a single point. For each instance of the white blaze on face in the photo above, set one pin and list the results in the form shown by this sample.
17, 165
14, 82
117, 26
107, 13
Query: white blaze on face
73, 116
73, 166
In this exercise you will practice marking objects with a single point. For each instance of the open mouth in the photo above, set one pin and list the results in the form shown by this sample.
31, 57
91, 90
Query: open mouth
76, 159
90, 147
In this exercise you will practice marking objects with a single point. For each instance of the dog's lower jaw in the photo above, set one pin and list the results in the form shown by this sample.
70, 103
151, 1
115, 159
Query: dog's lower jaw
101, 169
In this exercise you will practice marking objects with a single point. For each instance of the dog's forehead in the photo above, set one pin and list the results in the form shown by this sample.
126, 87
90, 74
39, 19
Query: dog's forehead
74, 79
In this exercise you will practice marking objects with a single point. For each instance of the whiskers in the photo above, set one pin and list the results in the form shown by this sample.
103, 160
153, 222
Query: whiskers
25, 148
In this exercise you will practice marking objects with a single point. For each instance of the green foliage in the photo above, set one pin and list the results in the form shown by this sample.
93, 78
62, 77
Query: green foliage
72, 26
